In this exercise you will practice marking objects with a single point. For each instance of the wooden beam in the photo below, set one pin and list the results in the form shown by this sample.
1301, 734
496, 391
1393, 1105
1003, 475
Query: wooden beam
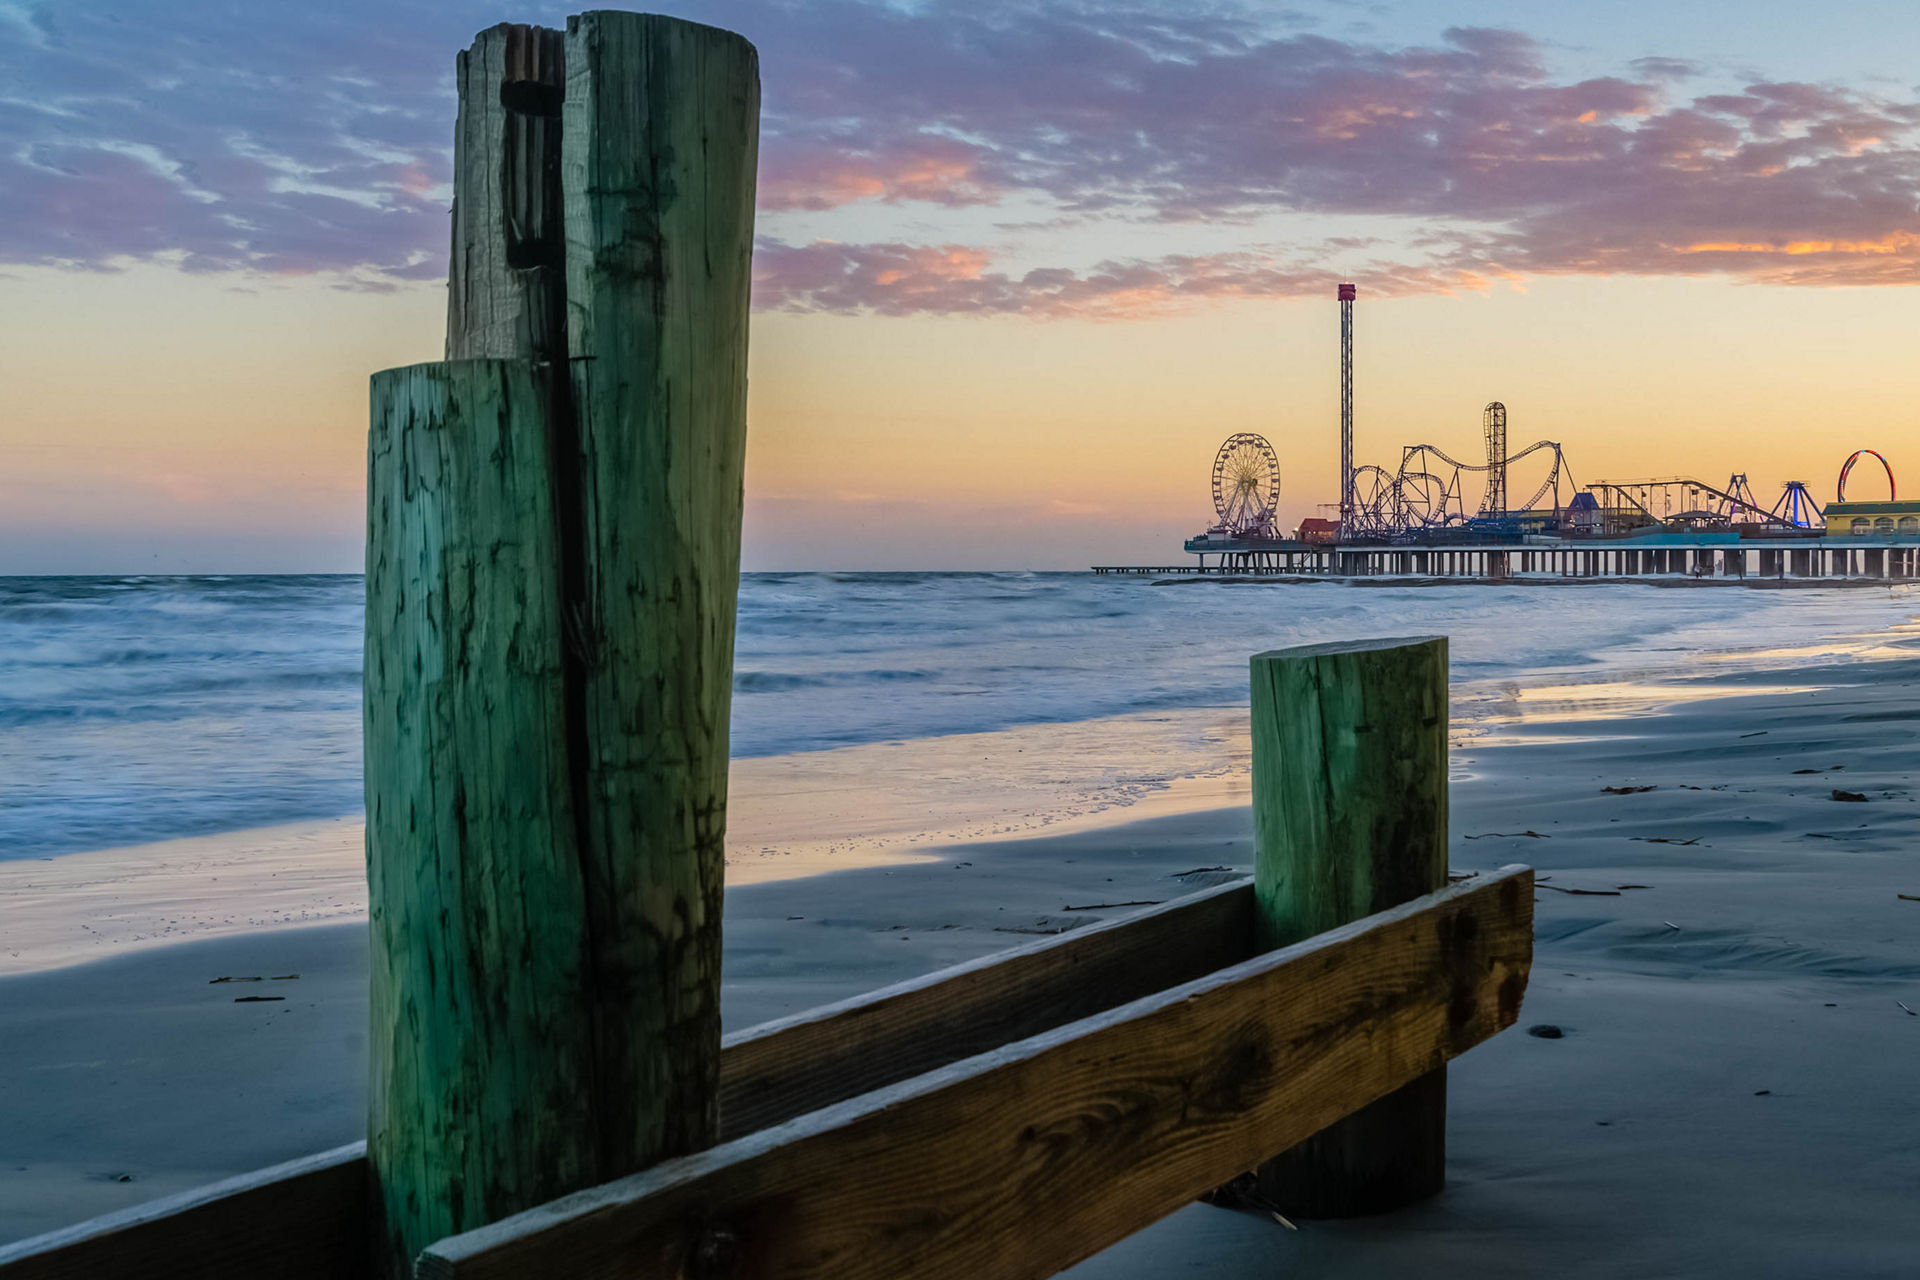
778, 1070
302, 1220
1350, 818
768, 1074
1017, 1163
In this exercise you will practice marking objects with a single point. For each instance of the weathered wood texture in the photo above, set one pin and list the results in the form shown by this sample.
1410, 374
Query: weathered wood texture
483, 1047
553, 559
1014, 1164
506, 280
660, 142
771, 1073
1350, 818
768, 1074
303, 1220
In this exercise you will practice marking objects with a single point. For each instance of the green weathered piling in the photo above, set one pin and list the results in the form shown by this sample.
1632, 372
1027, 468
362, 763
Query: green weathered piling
660, 140
552, 567
482, 1097
1350, 818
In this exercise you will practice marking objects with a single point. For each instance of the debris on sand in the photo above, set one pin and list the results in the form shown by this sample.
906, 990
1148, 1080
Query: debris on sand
1507, 835
1854, 796
256, 999
1626, 791
1590, 893
1243, 1193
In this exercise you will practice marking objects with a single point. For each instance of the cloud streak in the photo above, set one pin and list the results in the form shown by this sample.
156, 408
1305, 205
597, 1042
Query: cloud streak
316, 140
957, 280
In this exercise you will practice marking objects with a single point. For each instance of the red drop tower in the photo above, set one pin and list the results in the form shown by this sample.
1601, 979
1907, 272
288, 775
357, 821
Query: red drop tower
1346, 295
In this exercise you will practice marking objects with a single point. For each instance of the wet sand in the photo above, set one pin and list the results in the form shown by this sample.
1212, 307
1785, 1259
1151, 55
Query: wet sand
1731, 1094
879, 805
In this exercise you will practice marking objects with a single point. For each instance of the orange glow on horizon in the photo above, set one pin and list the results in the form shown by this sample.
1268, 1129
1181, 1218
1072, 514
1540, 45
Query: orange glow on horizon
952, 442
1897, 242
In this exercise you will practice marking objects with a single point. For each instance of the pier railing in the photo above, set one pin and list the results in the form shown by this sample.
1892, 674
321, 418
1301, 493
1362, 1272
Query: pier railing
1693, 557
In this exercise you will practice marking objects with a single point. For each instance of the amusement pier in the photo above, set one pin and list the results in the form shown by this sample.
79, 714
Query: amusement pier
1417, 521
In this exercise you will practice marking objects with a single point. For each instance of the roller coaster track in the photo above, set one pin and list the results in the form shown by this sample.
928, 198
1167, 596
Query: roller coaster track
1551, 482
1419, 496
1637, 495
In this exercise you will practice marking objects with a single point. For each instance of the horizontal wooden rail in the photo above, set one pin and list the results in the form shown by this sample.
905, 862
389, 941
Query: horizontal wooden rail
302, 1220
306, 1220
779, 1070
1021, 1161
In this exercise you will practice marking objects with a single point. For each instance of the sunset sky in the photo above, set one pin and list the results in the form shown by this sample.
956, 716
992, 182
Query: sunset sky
1020, 268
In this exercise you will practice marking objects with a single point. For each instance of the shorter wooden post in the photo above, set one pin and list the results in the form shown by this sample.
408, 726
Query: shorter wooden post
1350, 818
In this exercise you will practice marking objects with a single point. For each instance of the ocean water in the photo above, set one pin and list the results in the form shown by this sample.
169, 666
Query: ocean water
137, 709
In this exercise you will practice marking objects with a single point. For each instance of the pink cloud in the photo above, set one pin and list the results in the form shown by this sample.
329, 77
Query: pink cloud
301, 143
931, 170
901, 279
1130, 114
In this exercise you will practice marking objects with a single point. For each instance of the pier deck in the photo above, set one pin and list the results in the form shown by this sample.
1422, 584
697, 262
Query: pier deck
1700, 556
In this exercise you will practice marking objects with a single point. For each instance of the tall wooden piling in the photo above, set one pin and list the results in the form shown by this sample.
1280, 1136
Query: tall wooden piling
1350, 818
552, 567
506, 276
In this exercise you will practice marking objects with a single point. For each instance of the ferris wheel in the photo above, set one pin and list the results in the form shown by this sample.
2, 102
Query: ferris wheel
1246, 483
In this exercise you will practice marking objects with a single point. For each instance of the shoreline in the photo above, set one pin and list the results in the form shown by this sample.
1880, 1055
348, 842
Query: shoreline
880, 804
790, 817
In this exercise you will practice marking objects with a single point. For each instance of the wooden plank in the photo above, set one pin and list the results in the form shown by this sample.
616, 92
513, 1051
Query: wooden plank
768, 1074
1350, 818
774, 1072
1019, 1162
302, 1220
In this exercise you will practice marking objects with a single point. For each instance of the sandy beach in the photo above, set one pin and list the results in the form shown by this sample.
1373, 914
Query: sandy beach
1726, 955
